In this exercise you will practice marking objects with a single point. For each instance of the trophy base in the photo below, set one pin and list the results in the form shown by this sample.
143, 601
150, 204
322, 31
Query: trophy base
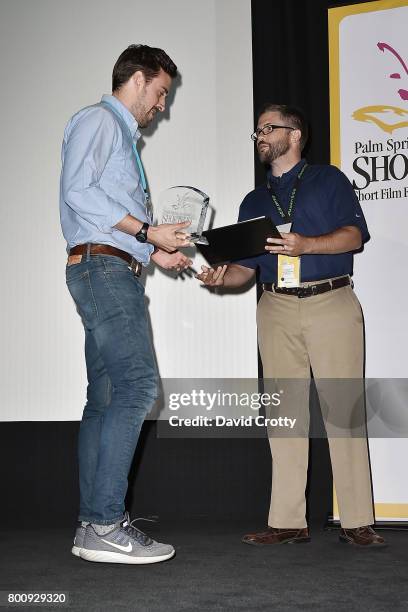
196, 239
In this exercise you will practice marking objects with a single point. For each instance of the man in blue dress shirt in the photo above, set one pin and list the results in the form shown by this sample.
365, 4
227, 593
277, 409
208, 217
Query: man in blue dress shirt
308, 319
106, 221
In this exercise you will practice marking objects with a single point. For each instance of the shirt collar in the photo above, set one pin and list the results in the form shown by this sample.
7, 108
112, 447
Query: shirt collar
287, 176
126, 115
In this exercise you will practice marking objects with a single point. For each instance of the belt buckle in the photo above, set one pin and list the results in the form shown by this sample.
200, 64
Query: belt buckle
305, 292
136, 267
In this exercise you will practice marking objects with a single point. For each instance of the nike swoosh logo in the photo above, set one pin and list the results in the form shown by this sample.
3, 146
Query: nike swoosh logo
127, 548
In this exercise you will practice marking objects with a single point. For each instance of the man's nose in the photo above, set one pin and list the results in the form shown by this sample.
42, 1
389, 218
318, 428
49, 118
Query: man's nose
161, 106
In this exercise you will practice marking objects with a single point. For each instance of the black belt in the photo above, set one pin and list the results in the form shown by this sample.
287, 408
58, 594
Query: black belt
107, 249
303, 292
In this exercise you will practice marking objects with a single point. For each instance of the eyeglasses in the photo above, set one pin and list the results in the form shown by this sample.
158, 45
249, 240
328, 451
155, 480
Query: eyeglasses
267, 129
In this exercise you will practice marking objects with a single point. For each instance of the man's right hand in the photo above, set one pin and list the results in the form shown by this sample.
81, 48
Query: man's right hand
169, 236
212, 277
231, 275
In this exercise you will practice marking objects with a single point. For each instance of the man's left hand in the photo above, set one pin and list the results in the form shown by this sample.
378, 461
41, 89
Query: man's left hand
175, 261
292, 244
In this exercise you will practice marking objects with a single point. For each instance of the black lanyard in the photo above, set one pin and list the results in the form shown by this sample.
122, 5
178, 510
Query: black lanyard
289, 214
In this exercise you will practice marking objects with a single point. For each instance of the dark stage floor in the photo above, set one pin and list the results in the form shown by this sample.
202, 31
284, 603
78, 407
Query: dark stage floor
212, 570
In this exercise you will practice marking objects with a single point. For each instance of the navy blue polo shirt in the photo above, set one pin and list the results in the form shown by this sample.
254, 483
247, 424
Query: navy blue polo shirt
325, 201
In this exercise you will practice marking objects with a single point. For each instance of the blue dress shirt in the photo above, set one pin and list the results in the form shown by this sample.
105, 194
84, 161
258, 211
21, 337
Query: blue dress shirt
100, 179
325, 202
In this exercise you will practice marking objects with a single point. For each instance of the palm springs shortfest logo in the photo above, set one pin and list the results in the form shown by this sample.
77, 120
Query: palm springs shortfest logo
378, 159
388, 118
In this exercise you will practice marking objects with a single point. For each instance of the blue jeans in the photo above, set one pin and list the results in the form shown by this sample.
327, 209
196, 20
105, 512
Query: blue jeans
122, 381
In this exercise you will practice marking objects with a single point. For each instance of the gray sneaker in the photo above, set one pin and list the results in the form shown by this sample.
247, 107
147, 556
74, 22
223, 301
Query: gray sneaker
78, 539
124, 544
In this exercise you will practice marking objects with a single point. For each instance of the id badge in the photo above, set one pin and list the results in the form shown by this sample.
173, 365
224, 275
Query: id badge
288, 271
284, 227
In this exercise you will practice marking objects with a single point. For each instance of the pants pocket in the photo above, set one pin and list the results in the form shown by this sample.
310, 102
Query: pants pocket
81, 292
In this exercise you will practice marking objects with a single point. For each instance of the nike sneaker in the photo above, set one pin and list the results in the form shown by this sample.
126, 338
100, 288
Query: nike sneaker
124, 544
78, 539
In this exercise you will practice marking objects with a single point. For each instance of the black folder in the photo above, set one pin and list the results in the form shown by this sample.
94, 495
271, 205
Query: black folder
239, 241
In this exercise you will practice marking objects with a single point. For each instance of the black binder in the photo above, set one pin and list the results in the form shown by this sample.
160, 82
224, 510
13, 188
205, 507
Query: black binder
239, 241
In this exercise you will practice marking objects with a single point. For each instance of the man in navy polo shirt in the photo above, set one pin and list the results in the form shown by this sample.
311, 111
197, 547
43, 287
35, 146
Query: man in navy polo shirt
309, 319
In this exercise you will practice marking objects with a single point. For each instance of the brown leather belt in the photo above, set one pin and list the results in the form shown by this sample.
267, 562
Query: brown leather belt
106, 249
304, 292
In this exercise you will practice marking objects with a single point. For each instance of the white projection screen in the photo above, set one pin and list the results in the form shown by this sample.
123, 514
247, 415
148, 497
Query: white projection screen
57, 57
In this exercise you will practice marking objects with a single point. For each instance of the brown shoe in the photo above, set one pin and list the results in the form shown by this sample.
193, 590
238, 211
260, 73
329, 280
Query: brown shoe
363, 537
277, 536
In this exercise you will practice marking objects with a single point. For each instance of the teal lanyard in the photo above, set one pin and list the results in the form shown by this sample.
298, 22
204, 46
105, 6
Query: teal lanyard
135, 151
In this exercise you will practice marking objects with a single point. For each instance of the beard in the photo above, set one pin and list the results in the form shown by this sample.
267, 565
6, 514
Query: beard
270, 152
143, 115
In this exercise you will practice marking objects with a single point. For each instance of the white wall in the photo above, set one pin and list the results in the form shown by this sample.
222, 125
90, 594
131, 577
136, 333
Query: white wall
56, 58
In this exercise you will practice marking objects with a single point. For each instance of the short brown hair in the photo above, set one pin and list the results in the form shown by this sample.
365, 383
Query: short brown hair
293, 115
148, 60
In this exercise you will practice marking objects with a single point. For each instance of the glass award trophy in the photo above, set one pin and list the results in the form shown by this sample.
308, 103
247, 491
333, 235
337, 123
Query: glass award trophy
183, 203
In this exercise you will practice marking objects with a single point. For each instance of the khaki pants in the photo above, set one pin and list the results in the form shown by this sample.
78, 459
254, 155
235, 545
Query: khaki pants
325, 333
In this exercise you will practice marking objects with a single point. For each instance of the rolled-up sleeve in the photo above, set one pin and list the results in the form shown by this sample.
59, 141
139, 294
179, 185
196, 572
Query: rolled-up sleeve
88, 145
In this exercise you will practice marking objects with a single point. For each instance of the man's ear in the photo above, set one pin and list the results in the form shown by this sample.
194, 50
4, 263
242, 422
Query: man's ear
139, 79
296, 136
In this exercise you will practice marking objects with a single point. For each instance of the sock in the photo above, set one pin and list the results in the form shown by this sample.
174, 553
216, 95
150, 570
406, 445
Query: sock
103, 529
